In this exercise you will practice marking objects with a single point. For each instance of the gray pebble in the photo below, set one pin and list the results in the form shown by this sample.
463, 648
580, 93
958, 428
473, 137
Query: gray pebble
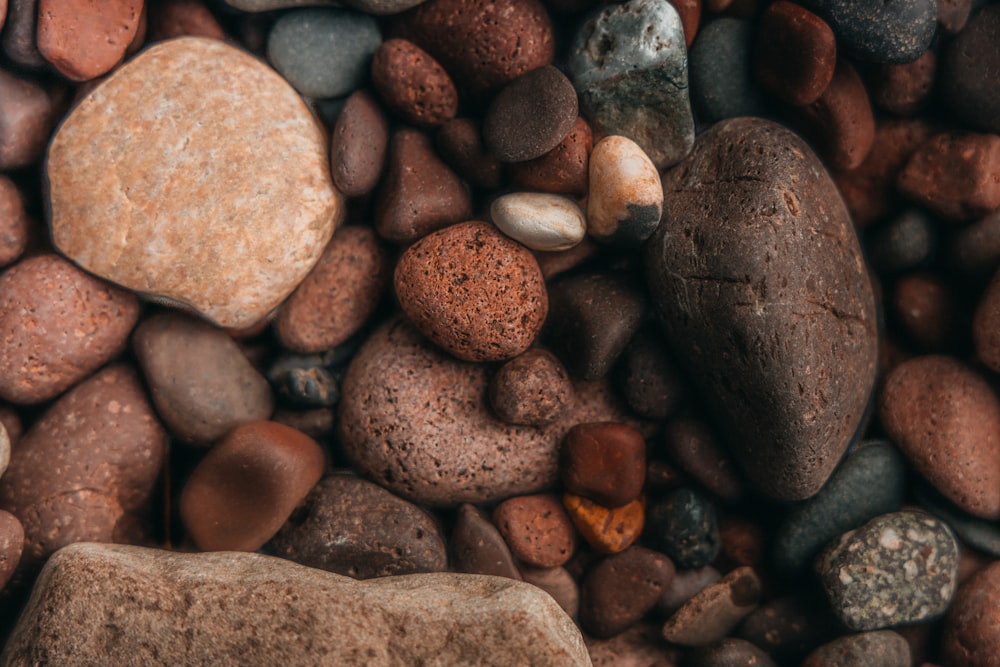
722, 84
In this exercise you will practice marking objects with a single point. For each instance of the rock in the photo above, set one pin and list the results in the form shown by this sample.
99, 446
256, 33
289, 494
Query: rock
530, 116
906, 241
28, 113
358, 145
722, 82
884, 648
625, 199
965, 82
86, 471
156, 606
606, 530
690, 13
731, 307
604, 462
796, 53
304, 381
19, 42
730, 653
980, 534
110, 213
539, 220
537, 529
460, 143
84, 40
945, 418
648, 378
14, 223
557, 582
619, 590
898, 568
57, 326
416, 420
906, 89
924, 306
11, 546
684, 526
898, 31
563, 170
323, 52
533, 389
473, 291
685, 585
695, 447
791, 626
412, 84
629, 65
639, 646
378, 7
200, 382
953, 15
954, 175
339, 295
971, 633
169, 19
353, 527
477, 547
712, 613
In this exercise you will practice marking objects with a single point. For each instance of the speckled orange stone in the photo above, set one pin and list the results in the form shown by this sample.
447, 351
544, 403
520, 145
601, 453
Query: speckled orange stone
607, 531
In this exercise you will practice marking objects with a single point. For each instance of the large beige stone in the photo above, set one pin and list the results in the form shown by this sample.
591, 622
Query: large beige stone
98, 604
197, 176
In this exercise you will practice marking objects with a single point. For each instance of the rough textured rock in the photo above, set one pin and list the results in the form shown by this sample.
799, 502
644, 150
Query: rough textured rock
358, 145
84, 40
537, 529
683, 525
379, 7
776, 322
884, 648
412, 84
972, 628
132, 606
114, 214
532, 388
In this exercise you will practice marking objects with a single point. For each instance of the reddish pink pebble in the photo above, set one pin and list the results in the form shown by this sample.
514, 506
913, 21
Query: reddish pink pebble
537, 529
412, 84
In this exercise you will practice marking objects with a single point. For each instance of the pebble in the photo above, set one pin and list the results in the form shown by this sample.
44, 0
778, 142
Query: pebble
304, 381
953, 15
628, 63
720, 63
377, 7
796, 53
621, 589
164, 607
791, 626
625, 198
685, 585
639, 646
713, 612
606, 530
58, 324
731, 310
11, 546
352, 527
19, 34
690, 13
537, 529
980, 534
530, 116
412, 84
924, 307
564, 169
317, 423
477, 547
974, 249
169, 19
28, 113
954, 175
730, 652
339, 295
200, 382
358, 145
473, 291
323, 52
87, 469
14, 222
83, 40
604, 462
898, 568
539, 220
905, 89
945, 418
966, 62
870, 482
696, 448
557, 582
533, 389
419, 193
971, 633
889, 32
648, 377
884, 648
109, 210
906, 241
460, 143
684, 526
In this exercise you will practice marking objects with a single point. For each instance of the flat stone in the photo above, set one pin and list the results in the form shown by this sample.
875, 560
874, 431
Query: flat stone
477, 547
84, 40
618, 591
713, 612
130, 605
625, 199
539, 220
187, 244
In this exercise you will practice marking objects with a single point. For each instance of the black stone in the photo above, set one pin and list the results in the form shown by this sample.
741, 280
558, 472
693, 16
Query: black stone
683, 525
887, 31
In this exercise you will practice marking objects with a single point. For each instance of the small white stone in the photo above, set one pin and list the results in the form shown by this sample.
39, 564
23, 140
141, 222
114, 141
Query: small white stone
4, 450
626, 197
539, 220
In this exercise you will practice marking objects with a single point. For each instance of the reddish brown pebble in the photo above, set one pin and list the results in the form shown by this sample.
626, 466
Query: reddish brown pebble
14, 223
28, 112
924, 306
57, 325
473, 291
955, 174
564, 169
11, 545
620, 589
972, 627
84, 39
339, 294
248, 484
715, 611
946, 420
639, 646
692, 444
953, 15
607, 531
358, 144
557, 582
178, 18
905, 89
796, 53
419, 193
530, 116
536, 528
690, 13
533, 388
743, 543
412, 84
460, 143
477, 547
604, 462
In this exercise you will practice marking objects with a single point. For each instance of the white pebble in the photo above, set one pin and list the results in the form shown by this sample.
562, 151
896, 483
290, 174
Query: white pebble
539, 220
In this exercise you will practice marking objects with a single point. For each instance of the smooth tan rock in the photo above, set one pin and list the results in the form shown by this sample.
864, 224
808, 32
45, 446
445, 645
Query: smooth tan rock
625, 197
223, 209
539, 220
125, 605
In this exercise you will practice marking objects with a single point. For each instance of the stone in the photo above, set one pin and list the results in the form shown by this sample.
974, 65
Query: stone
684, 526
695, 447
19, 35
625, 199
352, 527
971, 631
891, 32
113, 215
791, 626
628, 63
317, 423
980, 534
323, 52
563, 170
11, 546
160, 607
87, 470
28, 114
200, 382
730, 652
539, 220
412, 84
906, 241
58, 325
924, 306
460, 143
720, 65
378, 7
419, 193
898, 568
14, 223
530, 116
965, 66
477, 547
358, 145
713, 612
304, 381
685, 585
743, 542
690, 13
796, 53
339, 295
953, 15
533, 389
473, 291
169, 19
606, 530
557, 582
974, 249
621, 589
731, 305
604, 462
639, 646
84, 40
905, 89
537, 529
416, 421
945, 418
883, 647
648, 377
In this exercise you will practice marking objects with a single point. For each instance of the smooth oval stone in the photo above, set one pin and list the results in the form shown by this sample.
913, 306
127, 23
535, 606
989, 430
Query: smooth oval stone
884, 648
625, 199
172, 215
563, 170
771, 311
869, 482
323, 52
730, 652
537, 529
477, 547
604, 462
629, 65
358, 145
533, 388
15, 226
895, 31
84, 40
350, 526
19, 43
722, 82
796, 53
971, 633
967, 87
539, 220
713, 612
898, 568
619, 590
412, 84
684, 526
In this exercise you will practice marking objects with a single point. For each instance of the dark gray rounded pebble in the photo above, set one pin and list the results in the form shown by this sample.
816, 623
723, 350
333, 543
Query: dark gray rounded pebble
981, 534
968, 75
729, 652
890, 31
323, 52
648, 377
719, 66
683, 525
904, 242
477, 547
303, 381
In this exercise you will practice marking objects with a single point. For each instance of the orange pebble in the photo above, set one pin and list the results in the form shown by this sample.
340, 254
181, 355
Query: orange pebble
608, 531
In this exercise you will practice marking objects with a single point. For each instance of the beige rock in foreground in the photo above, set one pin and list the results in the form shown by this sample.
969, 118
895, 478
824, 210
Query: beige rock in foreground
124, 605
195, 175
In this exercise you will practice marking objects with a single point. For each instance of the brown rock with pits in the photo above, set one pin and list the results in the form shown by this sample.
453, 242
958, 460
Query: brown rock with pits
619, 590
358, 145
955, 175
477, 547
564, 169
11, 546
530, 116
972, 626
537, 529
28, 112
412, 84
14, 222
85, 39
533, 388
460, 143
905, 89
713, 612
795, 54
182, 18
604, 462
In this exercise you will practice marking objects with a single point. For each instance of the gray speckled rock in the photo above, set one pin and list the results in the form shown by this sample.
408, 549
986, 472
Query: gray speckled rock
898, 568
629, 65
323, 52
722, 83
891, 31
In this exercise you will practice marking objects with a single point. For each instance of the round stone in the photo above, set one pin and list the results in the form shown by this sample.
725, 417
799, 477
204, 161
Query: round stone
536, 529
358, 145
539, 220
625, 199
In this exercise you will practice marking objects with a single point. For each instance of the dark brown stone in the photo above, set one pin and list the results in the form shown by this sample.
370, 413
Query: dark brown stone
537, 529
972, 629
975, 248
953, 15
684, 586
412, 84
28, 113
618, 591
178, 18
967, 66
358, 145
604, 462
477, 547
11, 546
532, 388
19, 43
648, 377
796, 53
789, 627
694, 446
925, 308
460, 143
14, 223
905, 89
530, 116
954, 174
564, 169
